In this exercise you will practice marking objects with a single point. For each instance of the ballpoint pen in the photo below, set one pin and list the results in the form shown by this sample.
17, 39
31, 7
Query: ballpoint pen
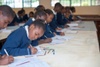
6, 52
45, 36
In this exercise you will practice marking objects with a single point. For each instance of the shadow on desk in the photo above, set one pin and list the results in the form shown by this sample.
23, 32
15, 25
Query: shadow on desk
2, 42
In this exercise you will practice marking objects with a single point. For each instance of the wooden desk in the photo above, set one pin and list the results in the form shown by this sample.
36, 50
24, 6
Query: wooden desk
81, 51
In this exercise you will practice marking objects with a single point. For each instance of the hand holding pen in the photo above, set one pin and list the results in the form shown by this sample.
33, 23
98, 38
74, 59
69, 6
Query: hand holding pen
33, 50
6, 59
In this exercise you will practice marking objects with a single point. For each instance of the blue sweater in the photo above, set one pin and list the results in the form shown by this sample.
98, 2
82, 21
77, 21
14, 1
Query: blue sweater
53, 23
70, 18
61, 20
17, 43
29, 22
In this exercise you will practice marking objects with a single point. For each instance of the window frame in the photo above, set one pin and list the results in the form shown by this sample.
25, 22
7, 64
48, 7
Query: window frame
90, 4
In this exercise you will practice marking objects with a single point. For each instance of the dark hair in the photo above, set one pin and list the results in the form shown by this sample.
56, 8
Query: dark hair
40, 7
31, 12
40, 13
39, 23
48, 11
58, 4
20, 12
72, 9
7, 11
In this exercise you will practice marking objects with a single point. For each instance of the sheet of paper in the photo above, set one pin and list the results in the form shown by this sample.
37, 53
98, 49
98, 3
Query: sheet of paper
71, 32
67, 31
78, 21
28, 62
75, 28
40, 51
72, 24
60, 39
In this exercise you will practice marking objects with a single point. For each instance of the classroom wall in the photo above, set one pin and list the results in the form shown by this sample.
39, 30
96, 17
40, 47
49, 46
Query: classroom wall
83, 10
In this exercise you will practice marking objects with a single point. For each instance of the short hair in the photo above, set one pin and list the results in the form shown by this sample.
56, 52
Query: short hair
40, 13
58, 4
48, 11
72, 9
7, 11
39, 23
40, 7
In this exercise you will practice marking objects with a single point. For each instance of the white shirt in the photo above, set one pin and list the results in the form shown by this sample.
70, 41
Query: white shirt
26, 29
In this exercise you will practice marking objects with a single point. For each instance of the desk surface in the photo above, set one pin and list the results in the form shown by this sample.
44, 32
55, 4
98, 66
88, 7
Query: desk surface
4, 34
81, 51
87, 26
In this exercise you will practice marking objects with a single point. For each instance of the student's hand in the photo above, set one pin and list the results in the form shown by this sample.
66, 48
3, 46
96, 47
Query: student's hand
59, 28
6, 60
48, 40
33, 50
54, 34
62, 33
66, 26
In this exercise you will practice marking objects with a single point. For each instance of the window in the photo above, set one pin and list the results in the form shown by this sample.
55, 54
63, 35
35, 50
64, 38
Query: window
65, 2
76, 2
20, 3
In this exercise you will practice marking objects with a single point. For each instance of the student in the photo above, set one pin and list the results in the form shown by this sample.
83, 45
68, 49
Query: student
61, 19
73, 10
19, 41
53, 23
31, 14
40, 7
50, 16
6, 16
39, 15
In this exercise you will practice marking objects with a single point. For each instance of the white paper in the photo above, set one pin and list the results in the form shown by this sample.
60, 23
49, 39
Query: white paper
72, 24
60, 39
71, 32
75, 28
28, 62
40, 51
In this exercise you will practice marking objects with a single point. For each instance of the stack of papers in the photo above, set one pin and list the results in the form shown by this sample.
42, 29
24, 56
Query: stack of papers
28, 62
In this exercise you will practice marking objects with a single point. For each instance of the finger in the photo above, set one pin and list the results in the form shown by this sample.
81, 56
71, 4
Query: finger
4, 56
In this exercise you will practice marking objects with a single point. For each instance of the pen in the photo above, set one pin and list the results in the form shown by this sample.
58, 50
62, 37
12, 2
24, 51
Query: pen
23, 63
6, 52
45, 36
50, 32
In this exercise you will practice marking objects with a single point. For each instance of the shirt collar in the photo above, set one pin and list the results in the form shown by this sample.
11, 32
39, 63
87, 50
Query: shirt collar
26, 29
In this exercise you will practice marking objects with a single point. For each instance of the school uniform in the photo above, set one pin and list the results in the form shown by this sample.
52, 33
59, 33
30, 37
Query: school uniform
25, 17
53, 24
17, 43
48, 32
70, 18
19, 19
61, 19
29, 22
